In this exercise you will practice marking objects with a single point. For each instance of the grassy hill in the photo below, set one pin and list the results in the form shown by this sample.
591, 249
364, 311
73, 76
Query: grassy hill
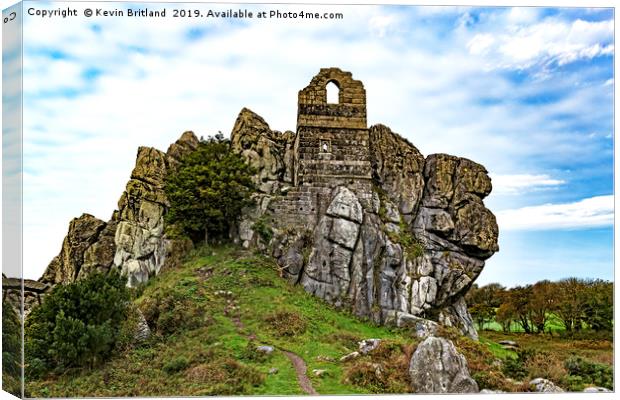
208, 317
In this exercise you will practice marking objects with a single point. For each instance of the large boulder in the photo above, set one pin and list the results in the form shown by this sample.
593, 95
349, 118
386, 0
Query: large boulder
437, 367
269, 152
397, 168
78, 247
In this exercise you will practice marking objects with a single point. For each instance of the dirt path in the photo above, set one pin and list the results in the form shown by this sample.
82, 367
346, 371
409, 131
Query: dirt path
300, 369
298, 363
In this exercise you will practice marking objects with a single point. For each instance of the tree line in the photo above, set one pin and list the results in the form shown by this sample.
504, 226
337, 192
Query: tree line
578, 304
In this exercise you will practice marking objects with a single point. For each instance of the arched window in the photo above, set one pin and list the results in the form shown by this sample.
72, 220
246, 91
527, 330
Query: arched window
332, 92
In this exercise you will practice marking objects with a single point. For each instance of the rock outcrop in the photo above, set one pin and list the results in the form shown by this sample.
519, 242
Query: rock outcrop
87, 247
408, 249
269, 152
437, 367
141, 245
133, 240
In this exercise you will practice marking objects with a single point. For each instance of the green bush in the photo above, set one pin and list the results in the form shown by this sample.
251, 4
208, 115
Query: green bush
589, 372
167, 312
514, 368
176, 365
208, 191
11, 340
11, 350
263, 229
77, 324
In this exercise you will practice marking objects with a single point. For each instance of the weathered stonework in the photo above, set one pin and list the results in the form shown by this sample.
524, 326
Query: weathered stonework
366, 222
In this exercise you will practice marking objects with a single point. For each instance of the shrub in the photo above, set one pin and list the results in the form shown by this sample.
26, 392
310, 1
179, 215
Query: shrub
383, 370
208, 190
11, 340
11, 350
286, 323
517, 368
250, 353
263, 229
589, 372
77, 324
346, 339
175, 365
514, 368
128, 329
224, 377
169, 312
546, 365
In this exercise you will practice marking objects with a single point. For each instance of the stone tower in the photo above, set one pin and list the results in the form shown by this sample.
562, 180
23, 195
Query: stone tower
332, 143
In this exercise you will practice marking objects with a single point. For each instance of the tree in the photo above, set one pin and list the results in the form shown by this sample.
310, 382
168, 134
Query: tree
571, 302
481, 313
518, 301
599, 305
77, 324
483, 301
541, 303
505, 315
490, 294
208, 190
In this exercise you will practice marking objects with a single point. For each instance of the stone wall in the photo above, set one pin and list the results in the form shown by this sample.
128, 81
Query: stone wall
332, 139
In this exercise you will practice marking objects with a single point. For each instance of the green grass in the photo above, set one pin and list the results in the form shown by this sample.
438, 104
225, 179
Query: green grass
200, 346
553, 324
201, 332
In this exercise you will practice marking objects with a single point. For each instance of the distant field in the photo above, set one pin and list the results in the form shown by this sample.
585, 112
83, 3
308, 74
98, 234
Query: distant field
553, 324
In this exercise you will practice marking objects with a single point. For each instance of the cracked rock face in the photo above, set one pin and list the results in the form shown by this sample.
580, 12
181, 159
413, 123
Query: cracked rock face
141, 246
437, 367
408, 249
87, 246
133, 240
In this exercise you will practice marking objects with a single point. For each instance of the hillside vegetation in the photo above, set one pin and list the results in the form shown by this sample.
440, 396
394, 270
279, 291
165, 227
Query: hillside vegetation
208, 316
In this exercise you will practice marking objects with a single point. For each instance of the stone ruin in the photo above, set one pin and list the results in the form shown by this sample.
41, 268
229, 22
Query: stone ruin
358, 216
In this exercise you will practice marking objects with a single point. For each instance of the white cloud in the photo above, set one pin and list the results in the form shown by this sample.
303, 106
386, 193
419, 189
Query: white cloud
550, 40
520, 183
591, 212
481, 43
519, 15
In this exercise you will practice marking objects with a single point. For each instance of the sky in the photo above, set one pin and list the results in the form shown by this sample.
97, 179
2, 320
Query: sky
527, 92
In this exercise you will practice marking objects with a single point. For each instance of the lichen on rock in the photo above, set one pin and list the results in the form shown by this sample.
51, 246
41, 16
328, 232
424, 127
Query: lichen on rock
407, 236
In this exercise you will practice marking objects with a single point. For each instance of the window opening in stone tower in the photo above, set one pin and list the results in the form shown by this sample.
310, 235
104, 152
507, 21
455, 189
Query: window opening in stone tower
332, 92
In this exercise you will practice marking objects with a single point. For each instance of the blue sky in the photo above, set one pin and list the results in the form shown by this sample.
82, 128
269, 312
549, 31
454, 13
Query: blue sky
527, 92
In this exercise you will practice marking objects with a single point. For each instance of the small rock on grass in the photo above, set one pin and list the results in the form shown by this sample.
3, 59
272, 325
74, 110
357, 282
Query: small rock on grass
368, 345
264, 349
508, 343
596, 389
319, 372
349, 356
545, 386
